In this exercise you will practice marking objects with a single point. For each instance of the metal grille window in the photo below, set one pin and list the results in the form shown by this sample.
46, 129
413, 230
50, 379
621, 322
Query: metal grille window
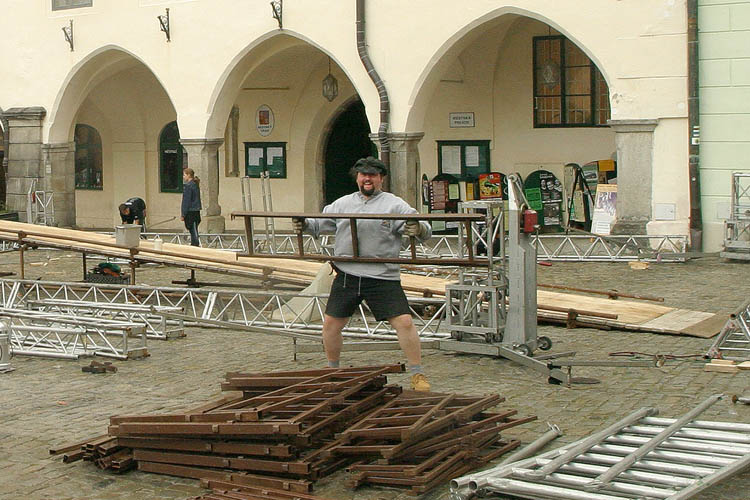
171, 159
88, 158
569, 90
71, 4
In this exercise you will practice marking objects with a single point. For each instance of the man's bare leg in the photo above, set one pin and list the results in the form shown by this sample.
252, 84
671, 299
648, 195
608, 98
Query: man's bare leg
407, 338
332, 339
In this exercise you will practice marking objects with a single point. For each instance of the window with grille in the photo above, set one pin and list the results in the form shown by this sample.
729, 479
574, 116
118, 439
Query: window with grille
88, 158
569, 90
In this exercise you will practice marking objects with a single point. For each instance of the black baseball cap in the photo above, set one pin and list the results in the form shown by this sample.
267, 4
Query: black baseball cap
370, 165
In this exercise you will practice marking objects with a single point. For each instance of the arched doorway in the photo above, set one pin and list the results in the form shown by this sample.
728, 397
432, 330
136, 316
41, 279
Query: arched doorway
348, 141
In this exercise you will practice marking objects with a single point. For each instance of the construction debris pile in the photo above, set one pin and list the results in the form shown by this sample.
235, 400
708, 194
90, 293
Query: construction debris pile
288, 429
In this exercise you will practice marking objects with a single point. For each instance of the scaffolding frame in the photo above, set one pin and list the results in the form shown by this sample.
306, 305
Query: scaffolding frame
733, 342
737, 227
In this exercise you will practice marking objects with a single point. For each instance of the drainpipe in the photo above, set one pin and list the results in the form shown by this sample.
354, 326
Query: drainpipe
385, 106
6, 147
696, 217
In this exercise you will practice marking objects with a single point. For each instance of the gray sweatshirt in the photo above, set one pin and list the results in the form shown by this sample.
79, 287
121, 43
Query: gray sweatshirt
377, 238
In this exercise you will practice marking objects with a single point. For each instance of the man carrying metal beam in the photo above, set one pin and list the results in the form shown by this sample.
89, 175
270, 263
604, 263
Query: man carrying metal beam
378, 284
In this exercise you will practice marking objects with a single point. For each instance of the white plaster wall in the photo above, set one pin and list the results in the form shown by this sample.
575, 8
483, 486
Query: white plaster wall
501, 96
724, 68
639, 47
670, 181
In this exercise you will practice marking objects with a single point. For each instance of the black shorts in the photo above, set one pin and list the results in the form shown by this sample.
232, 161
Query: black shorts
385, 298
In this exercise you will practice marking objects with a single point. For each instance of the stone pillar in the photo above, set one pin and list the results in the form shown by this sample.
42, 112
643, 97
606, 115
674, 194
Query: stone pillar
404, 166
59, 172
203, 158
24, 155
634, 140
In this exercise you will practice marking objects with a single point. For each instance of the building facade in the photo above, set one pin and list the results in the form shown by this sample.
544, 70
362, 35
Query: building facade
109, 99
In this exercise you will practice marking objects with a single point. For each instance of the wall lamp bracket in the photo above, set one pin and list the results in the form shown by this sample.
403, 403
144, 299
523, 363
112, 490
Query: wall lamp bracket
164, 24
277, 8
68, 32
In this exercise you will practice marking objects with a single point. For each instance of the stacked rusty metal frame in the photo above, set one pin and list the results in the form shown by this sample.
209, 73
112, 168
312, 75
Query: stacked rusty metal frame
288, 429
422, 440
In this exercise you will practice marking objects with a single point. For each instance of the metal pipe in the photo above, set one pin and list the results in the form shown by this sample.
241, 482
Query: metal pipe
545, 491
696, 216
719, 476
666, 455
700, 424
634, 476
684, 444
729, 437
385, 107
479, 479
647, 464
587, 443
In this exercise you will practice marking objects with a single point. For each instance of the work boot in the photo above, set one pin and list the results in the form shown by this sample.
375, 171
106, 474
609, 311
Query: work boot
419, 383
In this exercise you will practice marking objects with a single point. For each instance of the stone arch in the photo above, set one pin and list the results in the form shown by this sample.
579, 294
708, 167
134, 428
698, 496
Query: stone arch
462, 38
251, 57
93, 69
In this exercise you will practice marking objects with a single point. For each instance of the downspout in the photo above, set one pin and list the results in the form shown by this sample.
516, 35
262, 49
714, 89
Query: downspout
696, 216
385, 147
6, 146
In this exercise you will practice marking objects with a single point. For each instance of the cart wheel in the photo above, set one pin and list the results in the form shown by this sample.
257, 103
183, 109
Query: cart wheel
522, 349
544, 343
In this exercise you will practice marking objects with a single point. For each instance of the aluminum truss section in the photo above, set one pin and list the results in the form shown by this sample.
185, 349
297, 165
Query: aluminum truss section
53, 335
263, 310
615, 248
151, 317
737, 227
733, 341
638, 457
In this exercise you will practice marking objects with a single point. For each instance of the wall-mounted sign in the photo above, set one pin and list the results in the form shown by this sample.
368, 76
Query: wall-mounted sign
460, 120
264, 120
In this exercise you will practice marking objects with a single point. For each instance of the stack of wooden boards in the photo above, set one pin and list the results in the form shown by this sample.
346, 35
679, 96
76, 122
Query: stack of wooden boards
288, 429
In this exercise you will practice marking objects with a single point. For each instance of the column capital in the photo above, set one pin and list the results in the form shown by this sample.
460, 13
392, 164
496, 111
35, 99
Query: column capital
29, 113
207, 143
633, 126
59, 147
406, 136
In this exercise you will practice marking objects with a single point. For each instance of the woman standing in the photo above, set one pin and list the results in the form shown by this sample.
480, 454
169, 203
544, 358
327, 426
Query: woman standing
191, 204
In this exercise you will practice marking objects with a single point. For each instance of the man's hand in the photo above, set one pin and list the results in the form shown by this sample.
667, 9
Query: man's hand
413, 228
298, 223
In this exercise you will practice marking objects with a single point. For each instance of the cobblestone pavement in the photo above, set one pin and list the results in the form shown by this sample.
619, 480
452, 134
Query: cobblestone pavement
47, 403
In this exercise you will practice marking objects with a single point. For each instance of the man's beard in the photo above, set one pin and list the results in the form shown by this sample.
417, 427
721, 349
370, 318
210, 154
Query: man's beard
367, 191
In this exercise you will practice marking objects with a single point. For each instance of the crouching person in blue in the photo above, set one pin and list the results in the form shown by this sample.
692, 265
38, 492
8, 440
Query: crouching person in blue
378, 284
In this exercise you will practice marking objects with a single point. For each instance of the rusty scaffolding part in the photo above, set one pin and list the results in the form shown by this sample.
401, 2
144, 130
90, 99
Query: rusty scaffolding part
641, 456
733, 342
52, 335
737, 226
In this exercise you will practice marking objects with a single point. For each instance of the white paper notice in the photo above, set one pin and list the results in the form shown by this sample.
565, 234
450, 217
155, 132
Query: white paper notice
274, 153
253, 156
472, 156
451, 159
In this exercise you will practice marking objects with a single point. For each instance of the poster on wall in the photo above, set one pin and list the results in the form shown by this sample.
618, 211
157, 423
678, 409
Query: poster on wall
543, 191
264, 120
604, 209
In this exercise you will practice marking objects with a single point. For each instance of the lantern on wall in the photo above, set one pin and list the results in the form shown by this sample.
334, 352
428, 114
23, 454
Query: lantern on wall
330, 85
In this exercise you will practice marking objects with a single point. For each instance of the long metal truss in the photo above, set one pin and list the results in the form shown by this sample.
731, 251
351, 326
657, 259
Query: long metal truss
273, 312
151, 317
640, 456
733, 342
552, 247
37, 333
